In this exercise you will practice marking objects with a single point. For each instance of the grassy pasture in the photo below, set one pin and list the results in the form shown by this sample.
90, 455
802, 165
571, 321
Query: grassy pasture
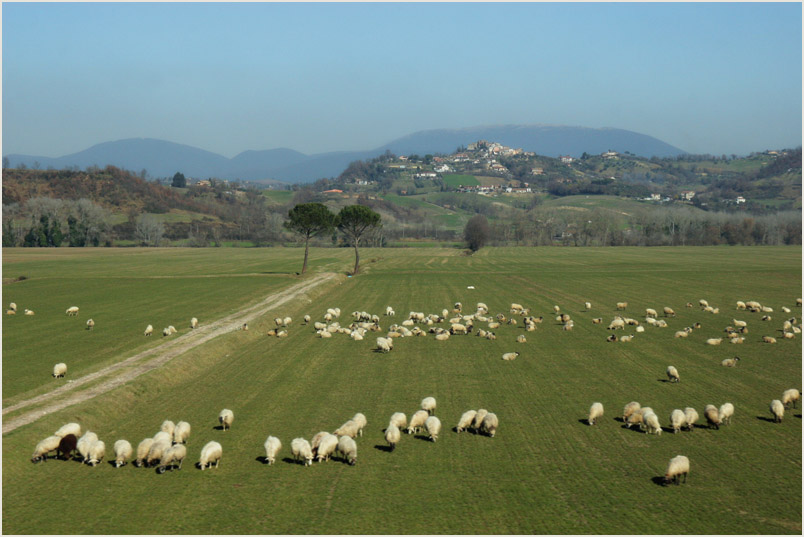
545, 472
455, 180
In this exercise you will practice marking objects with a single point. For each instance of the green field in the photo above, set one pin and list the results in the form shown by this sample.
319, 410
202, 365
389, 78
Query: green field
546, 471
455, 180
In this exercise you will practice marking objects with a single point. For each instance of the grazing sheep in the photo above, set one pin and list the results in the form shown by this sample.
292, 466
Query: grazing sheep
392, 435
668, 312
557, 309
618, 322
71, 311
777, 409
142, 451
595, 412
166, 332
348, 450
181, 433
417, 421
12, 307
681, 333
171, 456
712, 416
612, 338
767, 318
691, 416
429, 404
629, 409
51, 443
789, 396
466, 420
597, 320
651, 423
11, 312
272, 446
714, 341
741, 305
326, 447
626, 339
672, 374
68, 428
677, 420
212, 452
725, 413
90, 324
442, 337
360, 419
678, 466
29, 312
385, 344
286, 321
307, 319
122, 453
587, 305
158, 449
637, 418
650, 312
738, 323
510, 356
730, 362
316, 440
737, 340
766, 309
97, 450
193, 323
433, 426
521, 338
59, 370
489, 424
768, 339
350, 429
83, 444
67, 446
225, 418
622, 305
168, 427
798, 302
149, 330
398, 419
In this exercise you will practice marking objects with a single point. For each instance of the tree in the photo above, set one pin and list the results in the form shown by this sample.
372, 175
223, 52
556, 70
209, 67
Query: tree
354, 221
179, 181
149, 230
476, 232
309, 220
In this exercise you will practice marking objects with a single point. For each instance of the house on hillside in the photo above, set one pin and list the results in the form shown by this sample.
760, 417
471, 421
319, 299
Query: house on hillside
739, 200
687, 194
537, 171
566, 159
610, 154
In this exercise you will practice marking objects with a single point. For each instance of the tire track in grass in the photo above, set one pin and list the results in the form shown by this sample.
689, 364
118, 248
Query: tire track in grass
163, 354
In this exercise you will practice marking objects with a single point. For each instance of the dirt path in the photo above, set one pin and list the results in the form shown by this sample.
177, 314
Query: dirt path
138, 364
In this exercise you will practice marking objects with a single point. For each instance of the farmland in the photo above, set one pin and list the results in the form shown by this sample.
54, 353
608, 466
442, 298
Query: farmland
546, 471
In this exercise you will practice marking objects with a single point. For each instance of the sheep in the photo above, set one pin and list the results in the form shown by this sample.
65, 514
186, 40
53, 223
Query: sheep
622, 305
142, 451
651, 423
181, 433
458, 328
725, 413
668, 312
157, 450
193, 323
149, 330
738, 340
677, 420
767, 318
286, 321
730, 362
282, 333
714, 340
741, 305
51, 443
466, 420
326, 447
307, 319
777, 409
29, 312
348, 450
11, 312
789, 396
244, 327
392, 435
612, 338
429, 404
68, 428
442, 337
165, 332
672, 374
72, 311
618, 322
122, 452
171, 456
587, 305
225, 418
557, 309
510, 356
691, 416
272, 446
768, 339
712, 416
90, 324
168, 427
634, 419
457, 308
626, 339
650, 312
385, 344
323, 334
597, 320
212, 452
350, 429
12, 307
489, 424
360, 419
681, 333
433, 426
738, 323
521, 338
417, 421
67, 446
629, 409
59, 370
767, 309
678, 466
595, 412
97, 450
83, 444
798, 302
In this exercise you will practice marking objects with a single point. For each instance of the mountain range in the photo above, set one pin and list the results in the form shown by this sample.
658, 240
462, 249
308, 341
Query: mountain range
163, 159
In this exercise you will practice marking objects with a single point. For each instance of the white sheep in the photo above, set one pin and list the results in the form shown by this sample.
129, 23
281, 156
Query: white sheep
433, 427
212, 452
59, 370
360, 419
166, 332
193, 323
272, 446
149, 330
122, 452
225, 418
489, 424
681, 333
51, 443
714, 340
789, 396
97, 450
398, 419
171, 456
350, 429
348, 450
181, 433
481, 413
618, 322
587, 305
466, 420
71, 311
595, 412
417, 421
768, 339
712, 416
730, 362
677, 420
442, 336
651, 423
12, 307
326, 447
392, 435
385, 344
725, 413
69, 428
508, 356
84, 444
168, 427
668, 312
429, 404
777, 409
143, 449
29, 312
158, 448
90, 324
678, 466
650, 312
672, 374
691, 416
629, 409
521, 338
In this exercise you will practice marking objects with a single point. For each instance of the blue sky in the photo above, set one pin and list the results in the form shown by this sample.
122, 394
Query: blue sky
705, 77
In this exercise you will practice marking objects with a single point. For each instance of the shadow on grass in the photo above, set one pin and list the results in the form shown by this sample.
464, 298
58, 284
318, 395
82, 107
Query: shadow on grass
261, 459
291, 460
763, 418
386, 449
663, 380
584, 421
658, 480
422, 437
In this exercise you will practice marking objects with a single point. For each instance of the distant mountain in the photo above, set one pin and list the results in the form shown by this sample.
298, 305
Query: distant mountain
163, 159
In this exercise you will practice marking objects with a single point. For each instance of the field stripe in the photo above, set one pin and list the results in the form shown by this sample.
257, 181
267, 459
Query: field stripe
163, 354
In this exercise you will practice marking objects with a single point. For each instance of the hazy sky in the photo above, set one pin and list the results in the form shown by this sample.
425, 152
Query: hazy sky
708, 78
